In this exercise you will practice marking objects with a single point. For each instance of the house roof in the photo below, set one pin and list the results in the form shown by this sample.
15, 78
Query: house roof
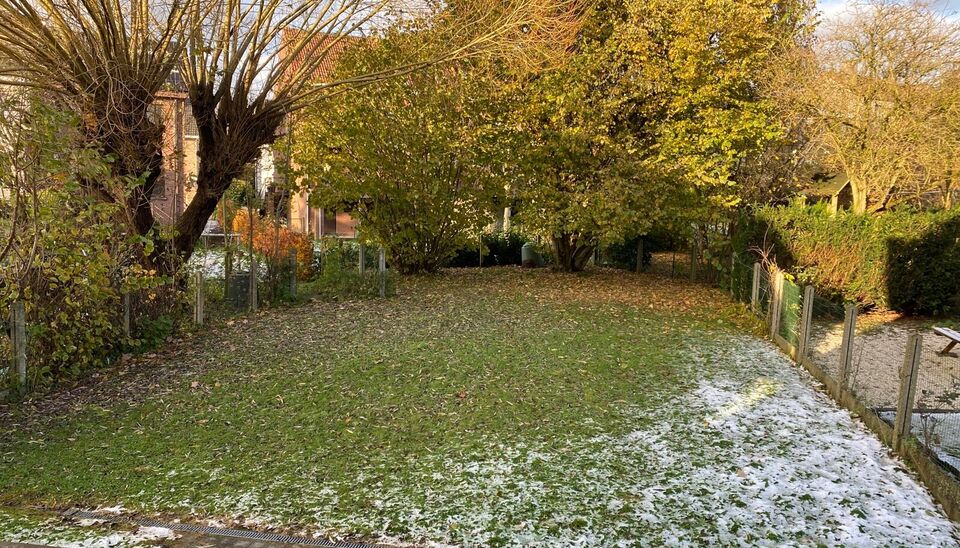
826, 184
332, 45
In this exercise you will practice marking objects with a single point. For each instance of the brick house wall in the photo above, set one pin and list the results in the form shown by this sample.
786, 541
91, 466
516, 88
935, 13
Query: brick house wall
177, 185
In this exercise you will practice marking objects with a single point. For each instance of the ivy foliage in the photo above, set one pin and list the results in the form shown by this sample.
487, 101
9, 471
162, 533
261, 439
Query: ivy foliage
903, 259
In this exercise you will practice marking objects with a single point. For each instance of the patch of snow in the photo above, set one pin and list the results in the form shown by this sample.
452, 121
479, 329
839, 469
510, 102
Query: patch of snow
81, 534
156, 533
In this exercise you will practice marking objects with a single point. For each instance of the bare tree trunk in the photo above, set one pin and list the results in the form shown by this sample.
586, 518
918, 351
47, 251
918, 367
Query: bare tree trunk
212, 182
226, 147
572, 253
859, 197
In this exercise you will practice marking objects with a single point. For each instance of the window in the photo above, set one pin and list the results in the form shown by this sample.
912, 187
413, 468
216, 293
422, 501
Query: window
190, 130
329, 222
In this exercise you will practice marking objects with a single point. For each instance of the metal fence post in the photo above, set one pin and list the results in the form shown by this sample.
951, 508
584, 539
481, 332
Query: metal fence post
806, 320
640, 255
126, 315
908, 389
776, 303
227, 271
253, 283
293, 271
846, 346
199, 296
755, 289
694, 252
382, 273
362, 261
18, 337
733, 266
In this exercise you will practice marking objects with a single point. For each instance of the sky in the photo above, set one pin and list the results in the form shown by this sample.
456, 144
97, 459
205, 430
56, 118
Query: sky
835, 8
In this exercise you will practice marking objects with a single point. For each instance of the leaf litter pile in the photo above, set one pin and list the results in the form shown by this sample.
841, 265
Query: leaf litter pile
494, 407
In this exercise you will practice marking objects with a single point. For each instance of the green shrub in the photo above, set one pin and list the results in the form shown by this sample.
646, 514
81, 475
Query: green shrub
904, 260
71, 257
925, 270
340, 275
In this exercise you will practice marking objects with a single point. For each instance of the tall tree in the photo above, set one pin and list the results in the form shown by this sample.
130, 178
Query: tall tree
873, 90
107, 60
416, 160
650, 118
243, 84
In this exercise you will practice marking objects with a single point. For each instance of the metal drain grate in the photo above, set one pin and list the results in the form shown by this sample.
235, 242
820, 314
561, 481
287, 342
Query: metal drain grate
218, 531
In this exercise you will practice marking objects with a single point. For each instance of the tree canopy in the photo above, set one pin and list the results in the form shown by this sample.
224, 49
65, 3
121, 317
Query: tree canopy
877, 96
649, 118
416, 160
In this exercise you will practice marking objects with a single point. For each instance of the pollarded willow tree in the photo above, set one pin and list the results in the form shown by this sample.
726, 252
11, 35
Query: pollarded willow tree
649, 118
109, 59
105, 61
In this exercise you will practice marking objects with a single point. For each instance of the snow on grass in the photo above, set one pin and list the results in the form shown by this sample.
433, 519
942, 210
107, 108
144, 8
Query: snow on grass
753, 455
30, 528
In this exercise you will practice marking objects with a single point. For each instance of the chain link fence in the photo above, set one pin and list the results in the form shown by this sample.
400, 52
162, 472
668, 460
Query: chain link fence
936, 413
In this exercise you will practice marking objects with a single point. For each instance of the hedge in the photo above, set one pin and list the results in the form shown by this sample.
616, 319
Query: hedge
903, 260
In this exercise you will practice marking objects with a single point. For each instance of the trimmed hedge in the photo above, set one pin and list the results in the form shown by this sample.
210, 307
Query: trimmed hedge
903, 260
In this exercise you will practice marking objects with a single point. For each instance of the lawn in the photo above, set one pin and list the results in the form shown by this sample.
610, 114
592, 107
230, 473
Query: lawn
494, 407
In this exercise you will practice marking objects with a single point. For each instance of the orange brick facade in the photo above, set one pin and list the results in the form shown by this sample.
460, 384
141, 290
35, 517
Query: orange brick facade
176, 187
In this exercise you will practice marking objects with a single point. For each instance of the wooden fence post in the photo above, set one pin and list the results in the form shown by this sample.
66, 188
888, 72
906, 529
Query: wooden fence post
18, 338
382, 273
806, 321
776, 303
755, 289
908, 389
126, 315
199, 296
252, 305
293, 271
362, 260
846, 345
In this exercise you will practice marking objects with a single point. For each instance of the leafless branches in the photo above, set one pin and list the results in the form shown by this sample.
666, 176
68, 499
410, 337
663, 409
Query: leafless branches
875, 94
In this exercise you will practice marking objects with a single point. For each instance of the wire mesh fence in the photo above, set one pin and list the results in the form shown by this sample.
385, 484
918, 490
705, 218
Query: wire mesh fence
936, 412
791, 303
764, 290
826, 335
897, 371
894, 373
875, 362
741, 280
217, 284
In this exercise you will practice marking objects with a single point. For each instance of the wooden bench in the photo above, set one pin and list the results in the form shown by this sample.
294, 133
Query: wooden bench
950, 334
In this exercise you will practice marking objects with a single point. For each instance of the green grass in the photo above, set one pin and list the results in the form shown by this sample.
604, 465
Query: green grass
339, 416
